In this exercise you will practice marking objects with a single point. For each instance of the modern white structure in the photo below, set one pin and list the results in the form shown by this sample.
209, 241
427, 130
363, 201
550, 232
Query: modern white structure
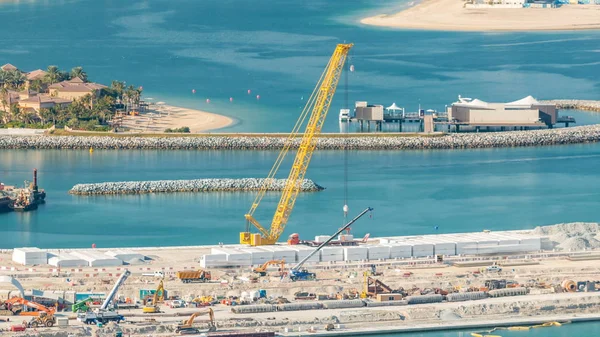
67, 260
30, 256
524, 112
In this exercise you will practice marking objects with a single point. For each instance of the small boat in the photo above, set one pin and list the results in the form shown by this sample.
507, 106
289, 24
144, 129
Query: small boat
344, 115
5, 202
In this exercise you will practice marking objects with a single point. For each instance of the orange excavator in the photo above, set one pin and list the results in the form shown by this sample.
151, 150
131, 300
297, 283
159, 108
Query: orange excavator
17, 306
187, 325
262, 270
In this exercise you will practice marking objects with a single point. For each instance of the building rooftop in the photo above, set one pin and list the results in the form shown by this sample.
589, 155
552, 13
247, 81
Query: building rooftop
76, 85
45, 99
36, 75
8, 67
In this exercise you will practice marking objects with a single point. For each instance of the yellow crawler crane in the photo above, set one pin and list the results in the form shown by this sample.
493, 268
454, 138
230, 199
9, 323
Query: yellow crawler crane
315, 110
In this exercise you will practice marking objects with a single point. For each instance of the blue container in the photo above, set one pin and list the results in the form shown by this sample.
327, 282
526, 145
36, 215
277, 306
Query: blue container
262, 293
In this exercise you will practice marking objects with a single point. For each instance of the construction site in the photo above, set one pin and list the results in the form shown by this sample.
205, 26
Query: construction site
336, 284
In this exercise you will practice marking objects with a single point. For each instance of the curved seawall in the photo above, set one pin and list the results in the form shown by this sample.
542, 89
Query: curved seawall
573, 135
196, 185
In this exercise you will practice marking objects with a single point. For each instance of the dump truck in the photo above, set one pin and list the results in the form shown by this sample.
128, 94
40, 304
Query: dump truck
189, 276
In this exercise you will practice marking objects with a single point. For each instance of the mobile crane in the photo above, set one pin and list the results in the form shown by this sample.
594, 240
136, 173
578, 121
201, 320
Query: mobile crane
297, 274
315, 110
102, 314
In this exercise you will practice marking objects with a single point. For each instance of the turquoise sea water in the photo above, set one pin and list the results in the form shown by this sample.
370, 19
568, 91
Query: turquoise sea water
277, 49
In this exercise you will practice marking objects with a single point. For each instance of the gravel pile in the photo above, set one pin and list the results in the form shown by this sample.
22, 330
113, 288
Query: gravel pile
575, 104
573, 135
196, 185
572, 236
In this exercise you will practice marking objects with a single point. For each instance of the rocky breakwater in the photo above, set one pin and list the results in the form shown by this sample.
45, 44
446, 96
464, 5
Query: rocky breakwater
575, 104
572, 135
196, 185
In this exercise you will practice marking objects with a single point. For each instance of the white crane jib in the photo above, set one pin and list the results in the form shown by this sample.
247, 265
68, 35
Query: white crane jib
114, 290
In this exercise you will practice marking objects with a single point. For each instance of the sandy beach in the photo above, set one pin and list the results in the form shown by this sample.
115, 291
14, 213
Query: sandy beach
162, 117
450, 15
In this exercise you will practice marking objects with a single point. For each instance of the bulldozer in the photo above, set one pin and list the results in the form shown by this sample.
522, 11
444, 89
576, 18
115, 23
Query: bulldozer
186, 327
44, 319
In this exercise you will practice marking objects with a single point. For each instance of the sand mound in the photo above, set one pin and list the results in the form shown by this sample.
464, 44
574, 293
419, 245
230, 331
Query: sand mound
572, 236
449, 315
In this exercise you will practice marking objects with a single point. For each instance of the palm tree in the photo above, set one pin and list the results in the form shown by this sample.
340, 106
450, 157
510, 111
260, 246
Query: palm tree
3, 96
3, 77
53, 74
78, 72
16, 79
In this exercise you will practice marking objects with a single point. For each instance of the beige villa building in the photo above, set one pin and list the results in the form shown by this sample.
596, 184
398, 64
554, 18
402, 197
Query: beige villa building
74, 88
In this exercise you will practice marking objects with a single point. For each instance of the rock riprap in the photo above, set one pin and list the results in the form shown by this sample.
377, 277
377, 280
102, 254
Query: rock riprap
196, 185
572, 135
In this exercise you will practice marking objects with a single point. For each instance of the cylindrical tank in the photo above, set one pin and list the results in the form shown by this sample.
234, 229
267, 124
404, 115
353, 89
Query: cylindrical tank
343, 304
470, 296
249, 309
569, 286
299, 306
424, 299
508, 292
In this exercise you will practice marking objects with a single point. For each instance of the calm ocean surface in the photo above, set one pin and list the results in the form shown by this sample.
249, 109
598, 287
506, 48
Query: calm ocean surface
277, 49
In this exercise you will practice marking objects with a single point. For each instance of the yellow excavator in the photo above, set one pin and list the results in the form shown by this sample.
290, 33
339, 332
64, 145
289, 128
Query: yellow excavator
187, 326
151, 306
262, 270
315, 112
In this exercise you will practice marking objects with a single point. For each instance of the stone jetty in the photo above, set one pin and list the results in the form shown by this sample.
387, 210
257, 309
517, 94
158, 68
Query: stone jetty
572, 135
575, 104
196, 185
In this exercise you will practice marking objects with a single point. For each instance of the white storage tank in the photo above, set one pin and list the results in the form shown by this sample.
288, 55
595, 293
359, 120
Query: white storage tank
30, 256
67, 260
378, 252
355, 253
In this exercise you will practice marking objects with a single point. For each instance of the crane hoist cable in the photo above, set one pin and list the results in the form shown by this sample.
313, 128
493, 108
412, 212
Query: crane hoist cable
315, 111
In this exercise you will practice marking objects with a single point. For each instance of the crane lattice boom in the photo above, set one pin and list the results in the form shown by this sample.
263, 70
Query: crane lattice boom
315, 110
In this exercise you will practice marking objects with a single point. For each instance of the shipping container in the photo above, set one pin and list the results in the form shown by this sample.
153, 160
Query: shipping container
258, 255
304, 251
355, 253
400, 251
378, 252
282, 253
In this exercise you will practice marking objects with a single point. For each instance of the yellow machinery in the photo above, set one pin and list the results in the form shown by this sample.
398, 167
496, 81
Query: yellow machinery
262, 270
187, 325
315, 110
159, 296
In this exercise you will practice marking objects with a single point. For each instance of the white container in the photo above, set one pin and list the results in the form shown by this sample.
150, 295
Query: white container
321, 238
304, 251
67, 260
400, 251
97, 259
330, 258
444, 248
234, 256
258, 256
378, 252
332, 251
29, 256
355, 253
282, 253
385, 241
214, 257
125, 255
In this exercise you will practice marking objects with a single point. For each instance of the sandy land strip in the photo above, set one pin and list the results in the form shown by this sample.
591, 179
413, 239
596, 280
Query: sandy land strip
450, 15
162, 117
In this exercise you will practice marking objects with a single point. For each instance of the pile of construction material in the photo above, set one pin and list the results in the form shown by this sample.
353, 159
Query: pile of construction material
31, 256
195, 185
400, 247
573, 135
